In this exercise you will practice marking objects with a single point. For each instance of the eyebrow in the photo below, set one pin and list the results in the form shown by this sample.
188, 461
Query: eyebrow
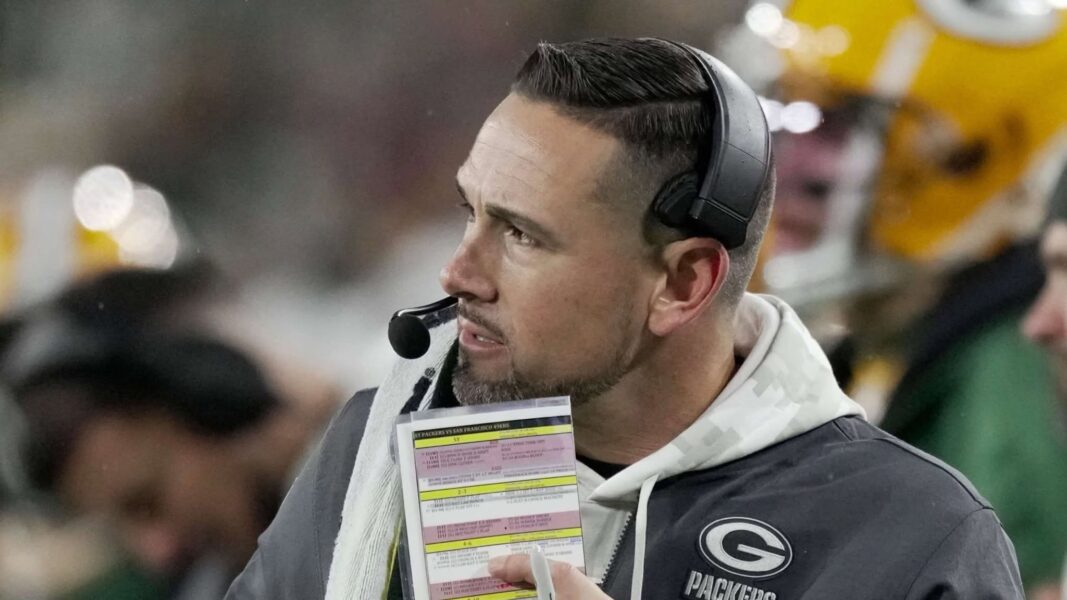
518, 219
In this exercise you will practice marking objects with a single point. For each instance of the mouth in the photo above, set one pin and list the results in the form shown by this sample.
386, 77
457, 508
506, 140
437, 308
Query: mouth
478, 340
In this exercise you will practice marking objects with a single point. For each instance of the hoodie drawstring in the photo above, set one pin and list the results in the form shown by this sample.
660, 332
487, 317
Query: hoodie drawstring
638, 578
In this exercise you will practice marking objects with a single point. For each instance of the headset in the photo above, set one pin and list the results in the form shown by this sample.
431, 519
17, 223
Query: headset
733, 162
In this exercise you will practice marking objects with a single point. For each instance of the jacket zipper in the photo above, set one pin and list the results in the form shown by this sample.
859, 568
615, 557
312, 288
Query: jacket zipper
615, 549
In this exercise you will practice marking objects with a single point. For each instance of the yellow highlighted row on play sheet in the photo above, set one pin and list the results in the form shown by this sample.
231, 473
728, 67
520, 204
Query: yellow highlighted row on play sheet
496, 488
491, 436
507, 538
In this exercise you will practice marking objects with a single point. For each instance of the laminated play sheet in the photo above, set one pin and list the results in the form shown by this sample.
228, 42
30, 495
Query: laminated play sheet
486, 481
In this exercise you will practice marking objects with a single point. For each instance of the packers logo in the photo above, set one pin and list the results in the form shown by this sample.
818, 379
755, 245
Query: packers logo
745, 547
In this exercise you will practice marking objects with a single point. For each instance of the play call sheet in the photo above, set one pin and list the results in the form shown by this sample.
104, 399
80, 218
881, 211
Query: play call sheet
480, 484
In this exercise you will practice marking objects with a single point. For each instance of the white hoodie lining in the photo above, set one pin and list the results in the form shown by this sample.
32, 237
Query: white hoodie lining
638, 579
783, 388
753, 321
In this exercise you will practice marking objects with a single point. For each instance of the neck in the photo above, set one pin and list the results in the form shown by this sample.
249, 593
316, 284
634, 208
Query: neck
658, 399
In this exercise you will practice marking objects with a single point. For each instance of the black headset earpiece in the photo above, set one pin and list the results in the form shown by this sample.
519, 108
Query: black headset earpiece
673, 200
733, 165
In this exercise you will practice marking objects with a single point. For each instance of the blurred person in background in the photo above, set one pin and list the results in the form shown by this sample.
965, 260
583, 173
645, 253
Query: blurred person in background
135, 412
914, 151
1046, 320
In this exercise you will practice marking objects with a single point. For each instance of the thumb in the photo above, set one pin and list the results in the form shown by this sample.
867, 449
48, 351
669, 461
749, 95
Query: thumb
570, 583
514, 568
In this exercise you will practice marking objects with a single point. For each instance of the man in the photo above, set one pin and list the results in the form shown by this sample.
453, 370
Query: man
717, 456
174, 435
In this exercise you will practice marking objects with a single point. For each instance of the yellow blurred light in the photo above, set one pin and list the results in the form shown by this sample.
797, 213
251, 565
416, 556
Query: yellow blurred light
147, 222
833, 40
160, 253
787, 36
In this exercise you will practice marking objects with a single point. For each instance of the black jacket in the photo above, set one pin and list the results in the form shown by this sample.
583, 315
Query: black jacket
844, 511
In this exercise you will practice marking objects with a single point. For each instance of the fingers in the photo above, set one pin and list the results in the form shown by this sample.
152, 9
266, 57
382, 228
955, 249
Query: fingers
515, 568
570, 583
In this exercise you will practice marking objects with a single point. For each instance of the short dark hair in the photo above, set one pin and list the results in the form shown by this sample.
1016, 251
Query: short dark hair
206, 385
650, 95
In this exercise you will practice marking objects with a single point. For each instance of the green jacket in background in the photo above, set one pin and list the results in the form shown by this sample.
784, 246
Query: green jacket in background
980, 396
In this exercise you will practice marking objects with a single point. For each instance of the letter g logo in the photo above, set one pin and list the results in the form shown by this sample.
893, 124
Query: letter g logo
745, 547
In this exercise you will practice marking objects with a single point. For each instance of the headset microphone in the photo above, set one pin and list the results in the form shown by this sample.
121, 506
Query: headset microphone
408, 335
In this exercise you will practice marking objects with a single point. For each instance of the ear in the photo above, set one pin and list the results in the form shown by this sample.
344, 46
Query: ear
694, 272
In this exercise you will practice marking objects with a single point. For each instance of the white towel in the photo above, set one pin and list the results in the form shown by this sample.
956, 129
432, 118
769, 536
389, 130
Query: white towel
372, 509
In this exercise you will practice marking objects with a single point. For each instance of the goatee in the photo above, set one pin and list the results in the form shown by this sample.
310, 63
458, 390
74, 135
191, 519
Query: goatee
471, 390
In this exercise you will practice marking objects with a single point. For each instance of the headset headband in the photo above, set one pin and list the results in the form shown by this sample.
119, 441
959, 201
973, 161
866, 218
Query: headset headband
737, 151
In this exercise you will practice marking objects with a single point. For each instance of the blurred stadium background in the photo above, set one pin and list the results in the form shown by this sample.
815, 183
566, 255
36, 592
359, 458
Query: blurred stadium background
308, 153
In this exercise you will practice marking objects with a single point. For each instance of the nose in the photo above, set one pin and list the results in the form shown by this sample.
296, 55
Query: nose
1045, 321
465, 274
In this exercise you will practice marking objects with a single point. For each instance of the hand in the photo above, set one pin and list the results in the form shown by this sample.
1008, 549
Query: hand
570, 583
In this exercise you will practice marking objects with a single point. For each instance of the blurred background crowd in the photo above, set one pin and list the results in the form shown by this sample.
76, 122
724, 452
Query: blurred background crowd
209, 210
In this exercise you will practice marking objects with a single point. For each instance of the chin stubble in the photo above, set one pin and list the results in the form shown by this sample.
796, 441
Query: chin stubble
470, 390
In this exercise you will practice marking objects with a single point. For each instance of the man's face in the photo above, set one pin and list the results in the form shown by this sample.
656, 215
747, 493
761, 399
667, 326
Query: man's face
553, 283
173, 494
1046, 322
